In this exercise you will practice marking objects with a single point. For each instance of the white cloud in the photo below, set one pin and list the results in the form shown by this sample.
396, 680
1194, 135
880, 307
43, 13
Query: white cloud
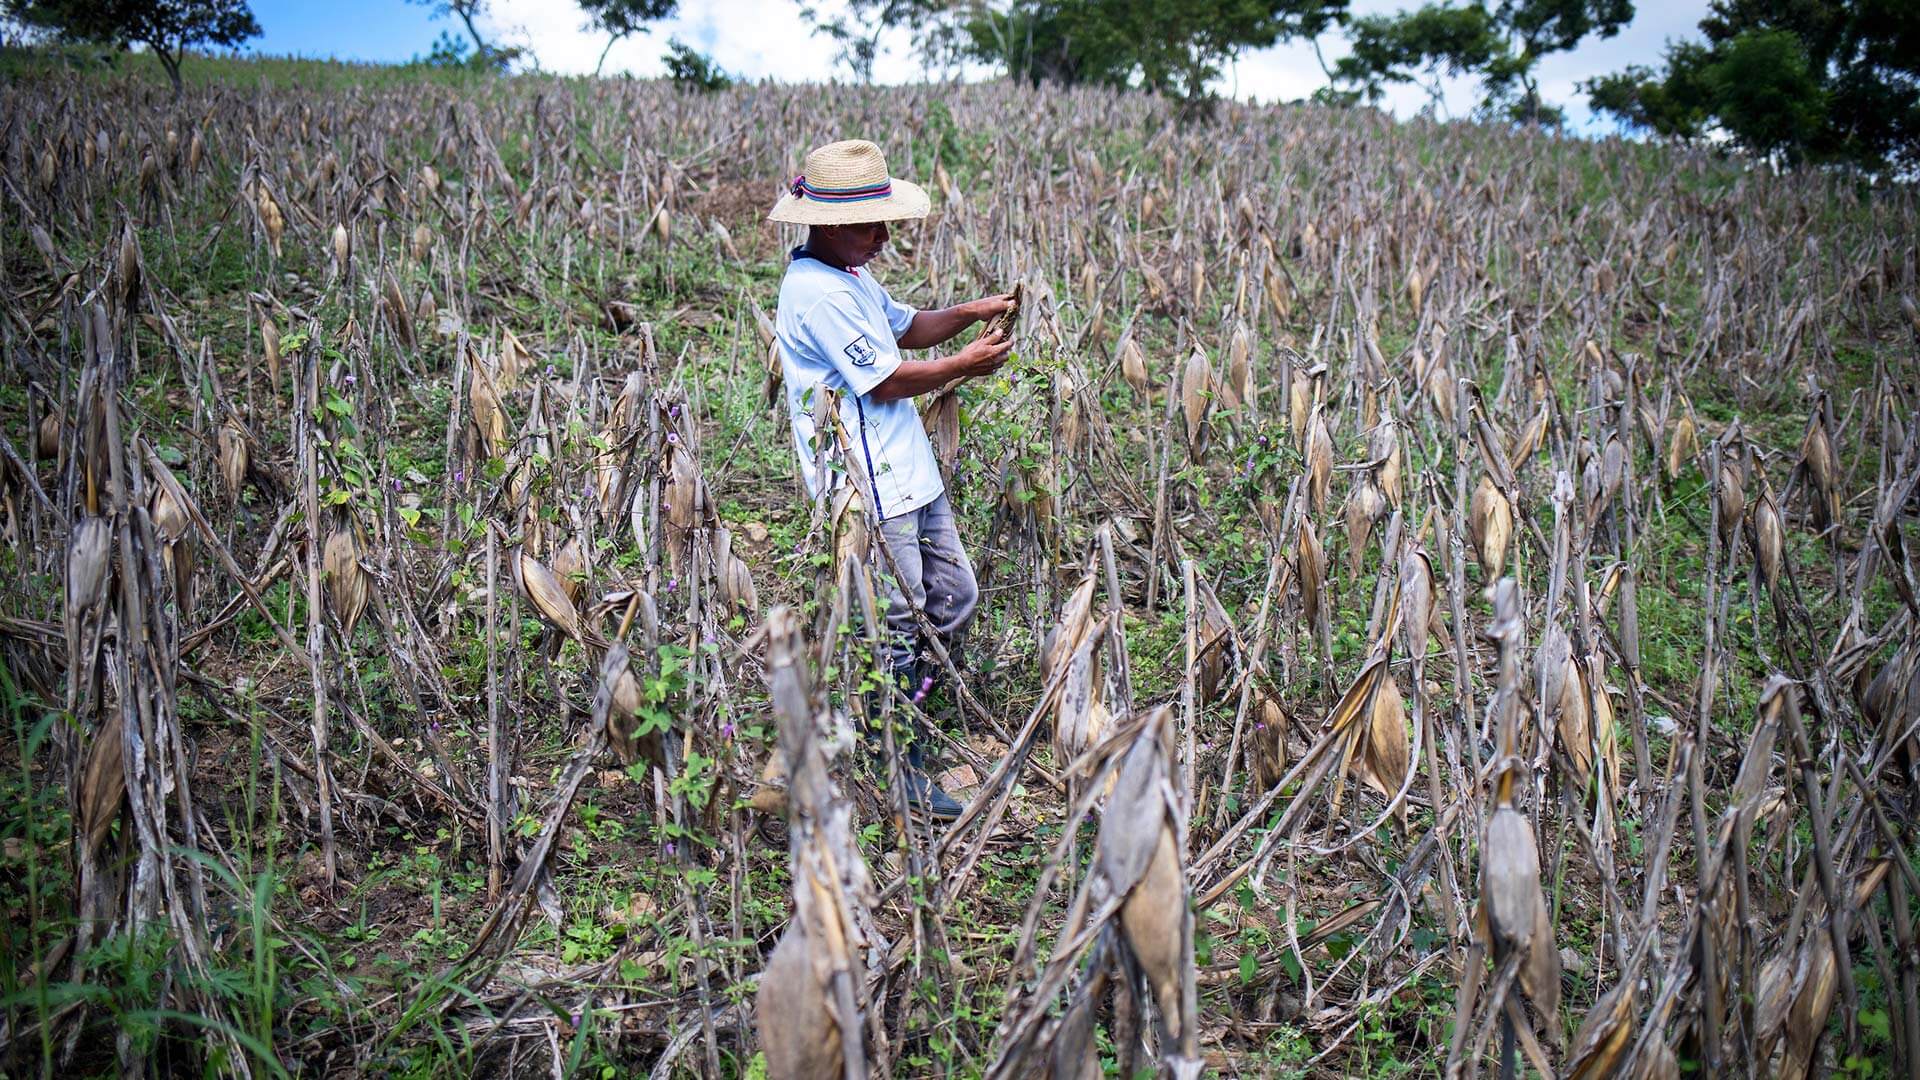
756, 39
768, 39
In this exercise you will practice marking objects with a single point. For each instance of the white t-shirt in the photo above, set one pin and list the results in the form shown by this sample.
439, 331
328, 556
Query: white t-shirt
839, 329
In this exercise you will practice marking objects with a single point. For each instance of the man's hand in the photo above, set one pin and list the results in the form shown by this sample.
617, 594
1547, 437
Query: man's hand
982, 356
985, 354
988, 306
937, 327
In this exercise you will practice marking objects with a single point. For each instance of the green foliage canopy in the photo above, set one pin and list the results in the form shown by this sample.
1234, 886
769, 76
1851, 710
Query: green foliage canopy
623, 18
690, 69
166, 27
1502, 43
1171, 47
1805, 80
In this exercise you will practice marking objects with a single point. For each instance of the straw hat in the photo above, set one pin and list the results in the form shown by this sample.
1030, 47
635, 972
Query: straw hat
846, 183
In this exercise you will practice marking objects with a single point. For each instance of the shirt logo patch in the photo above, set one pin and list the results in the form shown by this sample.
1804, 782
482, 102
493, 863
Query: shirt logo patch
861, 352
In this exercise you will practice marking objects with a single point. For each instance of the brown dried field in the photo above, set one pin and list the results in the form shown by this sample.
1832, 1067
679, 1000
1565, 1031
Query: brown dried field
1448, 601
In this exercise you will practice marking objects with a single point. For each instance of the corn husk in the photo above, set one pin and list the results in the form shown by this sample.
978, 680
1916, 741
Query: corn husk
234, 456
1138, 852
1319, 461
570, 566
1732, 500
271, 220
1065, 636
89, 557
1388, 754
1267, 742
941, 419
1513, 908
1822, 469
1365, 506
1533, 435
1417, 608
1606, 744
1007, 321
103, 782
1080, 718
548, 594
851, 538
348, 583
489, 418
623, 714
1311, 564
1196, 400
1299, 407
1768, 537
1490, 526
270, 344
1133, 365
1238, 388
48, 436
1683, 444
1383, 446
1601, 1043
736, 586
1815, 981
797, 1030
1441, 391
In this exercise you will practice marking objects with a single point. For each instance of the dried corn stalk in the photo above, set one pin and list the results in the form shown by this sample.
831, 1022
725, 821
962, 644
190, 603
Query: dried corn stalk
1139, 856
811, 995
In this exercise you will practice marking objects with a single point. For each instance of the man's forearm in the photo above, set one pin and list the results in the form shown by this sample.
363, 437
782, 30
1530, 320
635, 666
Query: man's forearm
915, 377
932, 328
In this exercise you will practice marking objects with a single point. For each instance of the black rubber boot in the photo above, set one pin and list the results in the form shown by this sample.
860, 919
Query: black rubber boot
923, 795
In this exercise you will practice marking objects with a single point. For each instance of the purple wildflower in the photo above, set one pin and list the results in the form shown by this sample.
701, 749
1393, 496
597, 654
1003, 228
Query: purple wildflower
673, 438
459, 476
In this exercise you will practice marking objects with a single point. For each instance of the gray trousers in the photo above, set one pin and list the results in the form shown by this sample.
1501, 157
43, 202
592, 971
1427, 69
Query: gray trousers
934, 574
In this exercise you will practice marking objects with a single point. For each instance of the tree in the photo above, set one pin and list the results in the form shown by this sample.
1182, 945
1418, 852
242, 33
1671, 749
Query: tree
1436, 41
166, 27
858, 27
623, 18
692, 70
1503, 43
1824, 81
1172, 47
486, 54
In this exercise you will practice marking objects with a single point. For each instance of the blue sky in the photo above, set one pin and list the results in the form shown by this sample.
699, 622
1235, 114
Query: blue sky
376, 31
767, 39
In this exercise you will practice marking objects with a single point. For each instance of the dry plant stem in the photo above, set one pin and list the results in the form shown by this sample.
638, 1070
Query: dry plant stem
309, 376
1188, 707
1696, 784
1839, 901
1254, 667
496, 757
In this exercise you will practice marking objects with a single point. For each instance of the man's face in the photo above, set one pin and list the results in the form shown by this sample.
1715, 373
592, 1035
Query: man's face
859, 244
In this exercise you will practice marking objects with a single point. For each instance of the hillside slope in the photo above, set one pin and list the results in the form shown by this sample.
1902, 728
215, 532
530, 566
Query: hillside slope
395, 500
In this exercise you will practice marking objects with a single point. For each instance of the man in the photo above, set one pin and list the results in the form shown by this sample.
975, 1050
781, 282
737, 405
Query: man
839, 329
